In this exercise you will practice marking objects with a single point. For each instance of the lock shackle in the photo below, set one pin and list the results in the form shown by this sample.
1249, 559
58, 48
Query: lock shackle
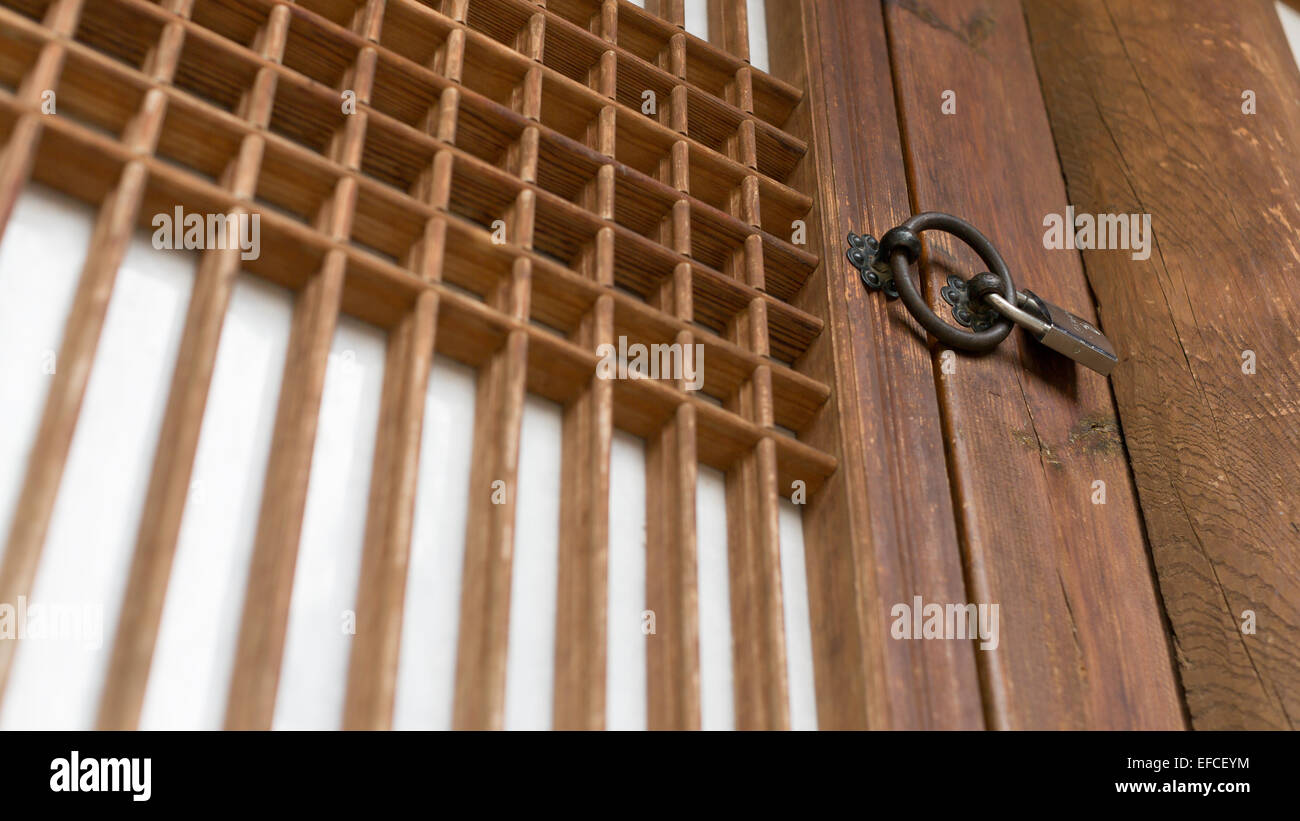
902, 249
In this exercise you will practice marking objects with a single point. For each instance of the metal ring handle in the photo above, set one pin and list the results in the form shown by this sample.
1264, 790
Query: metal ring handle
916, 305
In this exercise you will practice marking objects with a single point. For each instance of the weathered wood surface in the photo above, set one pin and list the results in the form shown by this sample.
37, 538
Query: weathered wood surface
882, 530
1082, 643
1146, 104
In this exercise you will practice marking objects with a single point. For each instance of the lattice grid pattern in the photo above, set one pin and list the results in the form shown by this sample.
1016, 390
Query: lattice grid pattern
662, 227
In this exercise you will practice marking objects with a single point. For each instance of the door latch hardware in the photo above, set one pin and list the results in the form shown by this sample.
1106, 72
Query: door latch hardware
873, 267
988, 303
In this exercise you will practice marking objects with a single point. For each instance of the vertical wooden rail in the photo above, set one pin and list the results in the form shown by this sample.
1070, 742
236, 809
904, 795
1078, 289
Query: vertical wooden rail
1081, 643
114, 226
260, 646
372, 666
759, 673
673, 655
729, 26
20, 151
1188, 114
882, 528
169, 481
674, 11
588, 432
498, 417
584, 542
753, 550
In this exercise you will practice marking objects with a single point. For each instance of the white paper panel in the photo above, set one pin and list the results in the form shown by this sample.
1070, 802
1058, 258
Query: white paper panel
426, 671
40, 264
697, 18
756, 16
313, 676
190, 676
716, 703
55, 684
625, 661
798, 629
530, 649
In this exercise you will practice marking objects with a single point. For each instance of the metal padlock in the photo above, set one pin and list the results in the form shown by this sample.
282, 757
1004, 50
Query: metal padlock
988, 303
1058, 329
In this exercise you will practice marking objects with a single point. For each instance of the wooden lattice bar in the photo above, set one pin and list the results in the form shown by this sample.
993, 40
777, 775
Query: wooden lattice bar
266, 611
513, 185
113, 226
174, 460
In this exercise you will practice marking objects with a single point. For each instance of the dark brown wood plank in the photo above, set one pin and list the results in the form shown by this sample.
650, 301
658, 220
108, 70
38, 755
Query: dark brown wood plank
1082, 642
882, 527
1146, 103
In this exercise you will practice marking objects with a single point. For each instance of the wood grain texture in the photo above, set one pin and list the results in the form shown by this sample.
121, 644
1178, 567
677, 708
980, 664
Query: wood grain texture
729, 26
49, 451
20, 149
667, 227
1082, 640
759, 677
390, 515
169, 478
673, 651
489, 539
1146, 103
109, 240
259, 649
583, 592
882, 529
762, 700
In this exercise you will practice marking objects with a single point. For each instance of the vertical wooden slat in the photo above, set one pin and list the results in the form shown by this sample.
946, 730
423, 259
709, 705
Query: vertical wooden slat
759, 675
169, 481
372, 668
673, 651
588, 434
753, 551
729, 26
1189, 113
881, 529
673, 655
490, 527
580, 639
674, 11
489, 539
114, 226
1082, 643
260, 646
757, 614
